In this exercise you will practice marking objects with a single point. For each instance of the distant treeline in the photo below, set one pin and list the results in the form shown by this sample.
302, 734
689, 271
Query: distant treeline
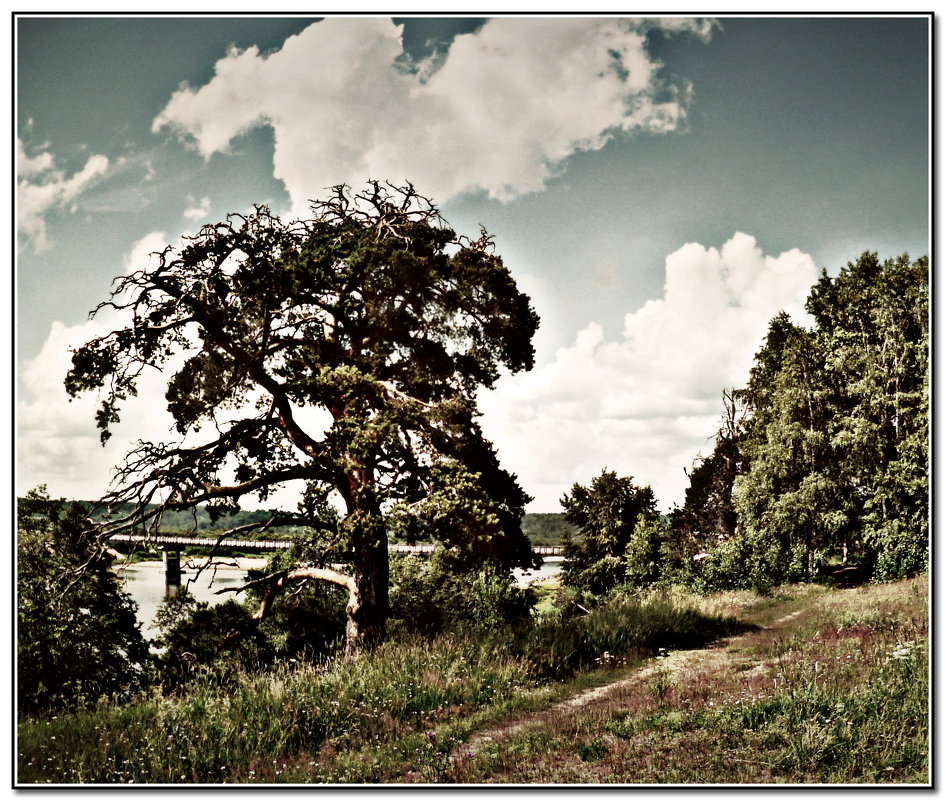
541, 528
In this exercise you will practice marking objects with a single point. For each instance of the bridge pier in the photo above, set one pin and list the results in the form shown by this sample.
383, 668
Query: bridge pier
172, 572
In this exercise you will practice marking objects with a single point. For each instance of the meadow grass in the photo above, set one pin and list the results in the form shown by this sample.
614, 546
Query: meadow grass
286, 723
836, 692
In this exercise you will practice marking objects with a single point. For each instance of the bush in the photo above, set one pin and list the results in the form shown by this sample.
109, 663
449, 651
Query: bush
198, 638
77, 635
225, 639
902, 549
429, 597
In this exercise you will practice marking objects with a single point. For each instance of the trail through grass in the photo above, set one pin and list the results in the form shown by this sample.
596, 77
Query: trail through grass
805, 685
832, 688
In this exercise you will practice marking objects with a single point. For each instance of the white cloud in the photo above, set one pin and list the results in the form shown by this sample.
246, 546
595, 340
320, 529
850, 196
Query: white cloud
140, 256
41, 187
645, 405
197, 211
57, 441
501, 112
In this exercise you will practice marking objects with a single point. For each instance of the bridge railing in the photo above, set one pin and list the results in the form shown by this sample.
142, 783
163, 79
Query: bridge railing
205, 542
165, 540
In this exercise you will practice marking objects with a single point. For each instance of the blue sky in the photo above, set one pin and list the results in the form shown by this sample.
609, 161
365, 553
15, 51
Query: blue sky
661, 189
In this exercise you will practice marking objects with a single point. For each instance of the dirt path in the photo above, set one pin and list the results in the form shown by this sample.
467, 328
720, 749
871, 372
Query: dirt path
727, 654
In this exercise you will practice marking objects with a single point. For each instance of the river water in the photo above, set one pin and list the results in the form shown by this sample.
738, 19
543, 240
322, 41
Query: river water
144, 581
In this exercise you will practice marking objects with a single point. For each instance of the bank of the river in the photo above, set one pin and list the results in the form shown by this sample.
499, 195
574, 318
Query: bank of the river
145, 580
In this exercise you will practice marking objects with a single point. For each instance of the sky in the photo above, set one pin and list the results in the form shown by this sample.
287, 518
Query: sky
661, 188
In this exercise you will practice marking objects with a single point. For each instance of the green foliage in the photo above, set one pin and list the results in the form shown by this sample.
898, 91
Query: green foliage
77, 636
431, 597
833, 461
650, 554
589, 752
605, 515
789, 496
197, 519
373, 313
198, 640
742, 563
544, 528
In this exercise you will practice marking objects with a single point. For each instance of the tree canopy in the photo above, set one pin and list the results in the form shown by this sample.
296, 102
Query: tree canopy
821, 461
833, 453
374, 313
609, 515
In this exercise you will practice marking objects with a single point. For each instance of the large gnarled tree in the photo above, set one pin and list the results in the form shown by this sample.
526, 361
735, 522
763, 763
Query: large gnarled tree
374, 312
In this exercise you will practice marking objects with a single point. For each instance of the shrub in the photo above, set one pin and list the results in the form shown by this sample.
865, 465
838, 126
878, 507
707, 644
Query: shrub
429, 597
198, 638
225, 639
77, 635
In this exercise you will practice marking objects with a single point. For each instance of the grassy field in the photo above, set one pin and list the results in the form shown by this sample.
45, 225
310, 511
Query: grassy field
806, 685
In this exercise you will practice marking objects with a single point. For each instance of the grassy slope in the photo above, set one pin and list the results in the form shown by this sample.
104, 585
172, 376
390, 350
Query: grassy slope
831, 687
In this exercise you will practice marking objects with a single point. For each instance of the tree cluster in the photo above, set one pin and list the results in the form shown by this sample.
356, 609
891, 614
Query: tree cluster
77, 636
821, 461
835, 451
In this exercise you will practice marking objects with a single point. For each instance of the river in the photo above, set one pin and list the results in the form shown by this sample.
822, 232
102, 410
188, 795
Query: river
144, 581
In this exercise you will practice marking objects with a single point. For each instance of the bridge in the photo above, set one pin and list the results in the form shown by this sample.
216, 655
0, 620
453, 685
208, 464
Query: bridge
166, 542
171, 544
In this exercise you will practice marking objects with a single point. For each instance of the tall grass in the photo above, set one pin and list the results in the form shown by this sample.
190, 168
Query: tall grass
837, 693
558, 648
289, 723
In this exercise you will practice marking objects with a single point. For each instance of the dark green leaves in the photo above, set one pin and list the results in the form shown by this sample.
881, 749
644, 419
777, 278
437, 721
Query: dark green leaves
341, 352
606, 514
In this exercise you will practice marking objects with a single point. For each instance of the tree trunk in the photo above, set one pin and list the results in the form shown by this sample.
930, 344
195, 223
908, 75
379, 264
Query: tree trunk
368, 608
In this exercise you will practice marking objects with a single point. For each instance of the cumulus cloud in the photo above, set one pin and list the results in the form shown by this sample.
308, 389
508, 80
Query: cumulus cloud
500, 112
197, 211
646, 404
57, 441
41, 187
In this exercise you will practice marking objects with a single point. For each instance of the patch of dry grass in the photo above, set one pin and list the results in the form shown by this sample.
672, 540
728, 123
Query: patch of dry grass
834, 690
